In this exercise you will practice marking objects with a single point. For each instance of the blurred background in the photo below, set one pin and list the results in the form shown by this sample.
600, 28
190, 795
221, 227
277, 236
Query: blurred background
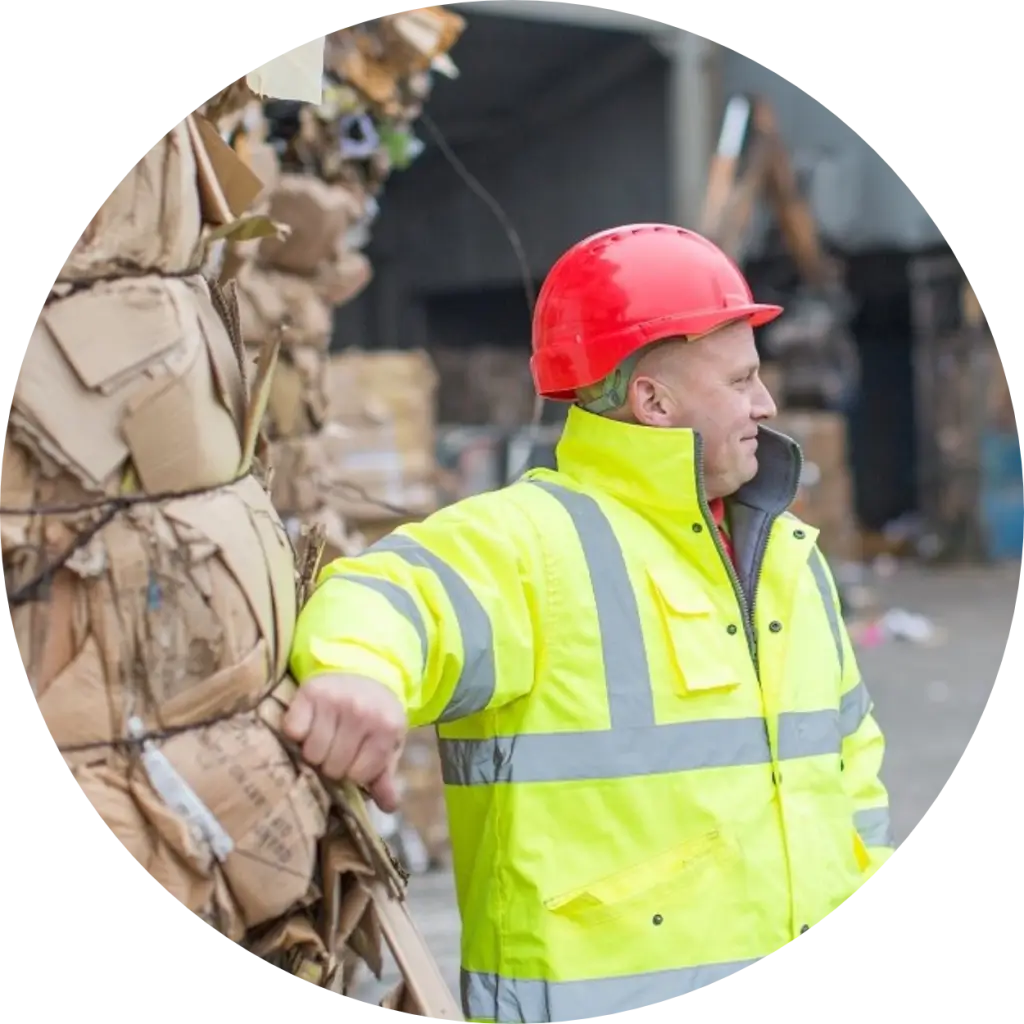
406, 384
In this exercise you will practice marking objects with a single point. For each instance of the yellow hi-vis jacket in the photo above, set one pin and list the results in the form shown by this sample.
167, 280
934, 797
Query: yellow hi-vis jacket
658, 768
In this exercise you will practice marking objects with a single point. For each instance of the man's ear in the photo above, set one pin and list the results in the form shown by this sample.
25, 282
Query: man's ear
649, 402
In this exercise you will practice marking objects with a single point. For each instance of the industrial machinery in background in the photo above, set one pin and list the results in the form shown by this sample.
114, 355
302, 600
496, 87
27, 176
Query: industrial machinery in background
812, 344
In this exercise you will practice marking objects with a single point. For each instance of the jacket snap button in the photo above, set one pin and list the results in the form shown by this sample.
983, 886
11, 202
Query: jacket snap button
697, 528
658, 919
799, 534
731, 629
805, 928
775, 627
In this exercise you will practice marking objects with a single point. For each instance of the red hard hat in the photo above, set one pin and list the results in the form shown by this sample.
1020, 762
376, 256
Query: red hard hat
628, 287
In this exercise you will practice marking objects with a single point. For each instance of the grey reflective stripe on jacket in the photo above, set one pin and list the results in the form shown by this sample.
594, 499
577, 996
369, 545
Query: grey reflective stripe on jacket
475, 687
492, 997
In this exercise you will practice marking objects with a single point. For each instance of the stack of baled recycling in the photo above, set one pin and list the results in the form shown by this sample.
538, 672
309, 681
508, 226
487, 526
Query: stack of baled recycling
153, 587
335, 465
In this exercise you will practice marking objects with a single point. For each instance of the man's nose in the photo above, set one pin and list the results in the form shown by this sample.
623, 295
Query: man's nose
764, 405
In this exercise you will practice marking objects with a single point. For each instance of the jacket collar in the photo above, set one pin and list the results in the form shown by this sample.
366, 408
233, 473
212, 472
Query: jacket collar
660, 469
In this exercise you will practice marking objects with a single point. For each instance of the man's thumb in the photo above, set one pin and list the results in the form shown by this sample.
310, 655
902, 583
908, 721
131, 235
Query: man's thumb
384, 791
299, 719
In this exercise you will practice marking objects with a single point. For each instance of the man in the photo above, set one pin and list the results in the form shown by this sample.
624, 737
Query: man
659, 758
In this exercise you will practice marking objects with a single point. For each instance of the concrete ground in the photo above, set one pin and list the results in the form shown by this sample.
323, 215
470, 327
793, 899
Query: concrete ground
928, 701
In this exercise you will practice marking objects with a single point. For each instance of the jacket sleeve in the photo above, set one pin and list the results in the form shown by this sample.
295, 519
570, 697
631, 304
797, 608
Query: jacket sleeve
863, 745
442, 612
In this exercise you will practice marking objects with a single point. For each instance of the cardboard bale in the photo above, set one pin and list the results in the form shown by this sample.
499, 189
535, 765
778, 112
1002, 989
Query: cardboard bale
359, 472
270, 301
395, 388
188, 190
319, 216
153, 593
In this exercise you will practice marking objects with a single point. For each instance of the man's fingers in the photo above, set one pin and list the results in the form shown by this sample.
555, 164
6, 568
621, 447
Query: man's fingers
373, 758
336, 765
299, 718
321, 734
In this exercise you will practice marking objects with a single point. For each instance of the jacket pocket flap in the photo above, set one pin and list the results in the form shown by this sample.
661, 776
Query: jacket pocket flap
608, 896
679, 594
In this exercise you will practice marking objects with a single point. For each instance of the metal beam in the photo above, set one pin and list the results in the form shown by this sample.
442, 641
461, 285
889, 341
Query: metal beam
690, 127
564, 14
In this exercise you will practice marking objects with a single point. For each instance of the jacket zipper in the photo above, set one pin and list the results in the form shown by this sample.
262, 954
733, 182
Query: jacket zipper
746, 607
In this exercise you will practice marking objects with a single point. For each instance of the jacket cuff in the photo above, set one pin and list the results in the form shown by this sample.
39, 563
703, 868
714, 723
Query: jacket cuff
332, 657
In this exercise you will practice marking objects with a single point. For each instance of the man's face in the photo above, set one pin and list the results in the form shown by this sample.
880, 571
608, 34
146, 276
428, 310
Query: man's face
711, 386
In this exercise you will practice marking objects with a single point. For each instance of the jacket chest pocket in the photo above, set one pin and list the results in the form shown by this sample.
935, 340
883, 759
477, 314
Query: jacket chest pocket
704, 652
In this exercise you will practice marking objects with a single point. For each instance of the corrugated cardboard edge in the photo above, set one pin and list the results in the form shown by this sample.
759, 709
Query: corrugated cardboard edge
424, 984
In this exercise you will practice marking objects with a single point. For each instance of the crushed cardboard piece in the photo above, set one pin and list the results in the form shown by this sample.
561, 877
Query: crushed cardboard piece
270, 301
298, 398
90, 387
345, 278
419, 37
319, 216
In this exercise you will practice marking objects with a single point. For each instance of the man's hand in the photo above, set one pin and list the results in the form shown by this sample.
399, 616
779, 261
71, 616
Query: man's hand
351, 727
